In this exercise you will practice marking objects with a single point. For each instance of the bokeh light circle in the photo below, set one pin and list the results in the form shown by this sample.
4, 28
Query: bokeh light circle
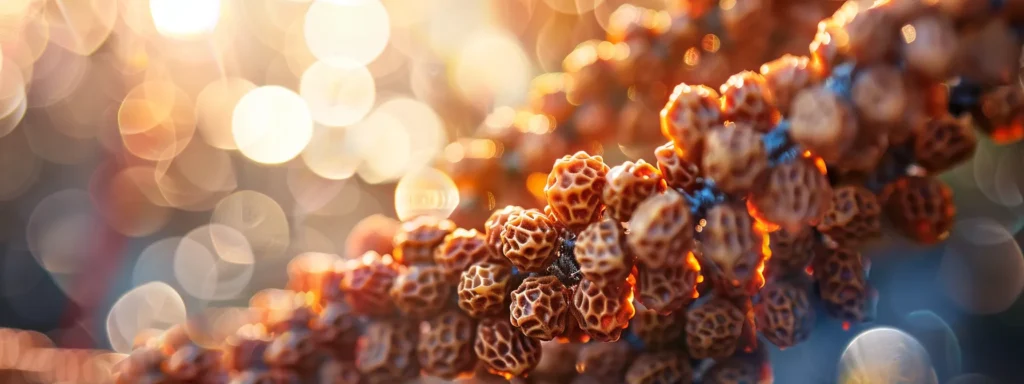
345, 32
337, 96
332, 153
938, 338
148, 307
184, 18
885, 355
426, 191
983, 274
209, 272
258, 218
271, 125
215, 106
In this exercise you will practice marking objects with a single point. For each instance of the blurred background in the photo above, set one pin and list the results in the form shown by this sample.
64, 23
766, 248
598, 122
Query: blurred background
164, 159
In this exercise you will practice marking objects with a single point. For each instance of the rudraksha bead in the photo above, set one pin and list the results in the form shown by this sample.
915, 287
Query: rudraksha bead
445, 346
944, 143
670, 287
387, 352
504, 349
554, 359
602, 311
629, 184
792, 251
366, 285
855, 217
495, 224
842, 284
713, 329
1002, 114
747, 99
823, 122
574, 189
679, 173
869, 34
738, 369
691, 112
784, 314
660, 367
337, 328
930, 45
657, 331
602, 253
989, 55
786, 76
372, 233
920, 207
483, 289
540, 307
607, 361
661, 230
291, 349
793, 194
735, 248
416, 239
529, 240
878, 95
734, 157
463, 248
421, 291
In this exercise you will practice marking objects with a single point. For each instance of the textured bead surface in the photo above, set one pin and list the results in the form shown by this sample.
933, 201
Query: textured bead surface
483, 289
463, 248
784, 314
336, 328
495, 224
670, 287
786, 76
842, 284
944, 143
416, 239
747, 99
660, 367
734, 157
690, 114
574, 189
604, 360
661, 230
367, 285
713, 329
793, 194
540, 307
932, 49
372, 233
657, 331
678, 172
504, 349
529, 240
878, 94
629, 184
921, 207
602, 311
602, 253
734, 246
823, 122
291, 349
855, 216
421, 291
791, 252
445, 347
387, 352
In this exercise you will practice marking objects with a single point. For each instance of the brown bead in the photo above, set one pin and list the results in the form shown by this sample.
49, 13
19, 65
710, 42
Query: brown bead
372, 233
791, 252
337, 328
483, 289
1002, 114
192, 362
855, 217
421, 291
966, 10
657, 331
793, 194
944, 143
878, 94
602, 253
930, 45
291, 349
691, 112
989, 55
574, 189
554, 360
504, 349
602, 311
628, 184
495, 224
604, 360
870, 33
366, 286
660, 367
784, 314
823, 122
842, 284
661, 230
417, 238
746, 98
242, 353
387, 352
739, 369
786, 76
540, 307
920, 207
735, 247
445, 346
864, 155
335, 371
529, 240
670, 287
463, 248
824, 48
734, 157
713, 329
677, 172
